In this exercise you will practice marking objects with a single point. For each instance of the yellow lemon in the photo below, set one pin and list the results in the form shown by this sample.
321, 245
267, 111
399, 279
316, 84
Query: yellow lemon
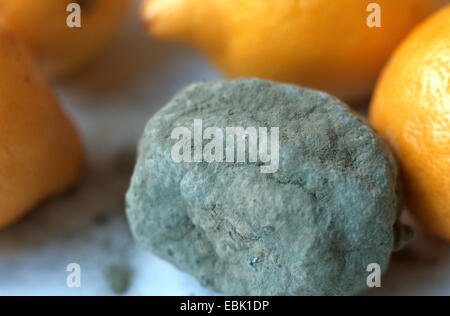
411, 108
60, 49
323, 44
40, 151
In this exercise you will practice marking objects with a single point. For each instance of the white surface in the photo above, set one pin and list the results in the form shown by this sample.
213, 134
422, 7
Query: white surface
111, 101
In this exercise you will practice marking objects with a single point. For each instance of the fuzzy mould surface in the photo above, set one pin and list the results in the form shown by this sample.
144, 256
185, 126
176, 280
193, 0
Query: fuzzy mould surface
310, 228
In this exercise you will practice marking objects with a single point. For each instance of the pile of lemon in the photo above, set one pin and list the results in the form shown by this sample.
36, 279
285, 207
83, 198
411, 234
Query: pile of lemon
397, 50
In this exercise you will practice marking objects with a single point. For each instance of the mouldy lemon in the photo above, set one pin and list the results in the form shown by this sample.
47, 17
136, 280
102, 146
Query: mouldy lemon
42, 25
411, 108
40, 151
321, 44
311, 227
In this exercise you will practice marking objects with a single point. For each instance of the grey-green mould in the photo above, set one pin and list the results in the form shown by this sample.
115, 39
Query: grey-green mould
311, 228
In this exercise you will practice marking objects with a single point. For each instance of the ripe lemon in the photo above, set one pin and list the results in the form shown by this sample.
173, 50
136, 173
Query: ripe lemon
323, 44
411, 108
42, 25
40, 151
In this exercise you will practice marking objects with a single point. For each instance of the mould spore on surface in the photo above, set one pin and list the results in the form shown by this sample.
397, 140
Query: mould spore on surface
310, 228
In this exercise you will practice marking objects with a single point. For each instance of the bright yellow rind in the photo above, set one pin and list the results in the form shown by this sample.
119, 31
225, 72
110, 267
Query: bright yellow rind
60, 50
411, 108
323, 44
41, 154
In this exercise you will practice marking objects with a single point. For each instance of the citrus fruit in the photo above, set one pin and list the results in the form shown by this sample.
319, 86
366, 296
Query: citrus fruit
411, 108
322, 44
41, 153
61, 49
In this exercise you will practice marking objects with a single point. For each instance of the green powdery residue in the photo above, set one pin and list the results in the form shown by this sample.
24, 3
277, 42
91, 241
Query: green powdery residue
310, 228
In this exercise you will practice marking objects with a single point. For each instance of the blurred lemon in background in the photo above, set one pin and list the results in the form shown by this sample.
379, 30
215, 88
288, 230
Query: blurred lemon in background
411, 108
42, 25
323, 44
40, 151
